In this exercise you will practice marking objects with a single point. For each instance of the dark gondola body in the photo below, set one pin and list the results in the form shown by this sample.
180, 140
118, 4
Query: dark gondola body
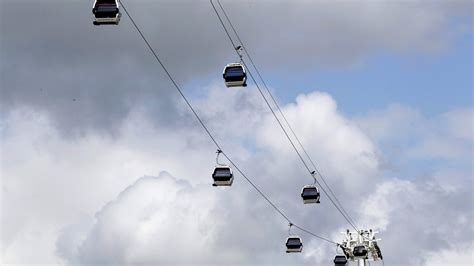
340, 260
294, 244
106, 12
310, 194
222, 176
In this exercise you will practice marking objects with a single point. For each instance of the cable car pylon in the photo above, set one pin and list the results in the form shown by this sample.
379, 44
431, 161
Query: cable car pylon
360, 246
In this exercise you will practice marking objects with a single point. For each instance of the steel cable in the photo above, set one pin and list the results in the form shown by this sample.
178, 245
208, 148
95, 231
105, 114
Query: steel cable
210, 134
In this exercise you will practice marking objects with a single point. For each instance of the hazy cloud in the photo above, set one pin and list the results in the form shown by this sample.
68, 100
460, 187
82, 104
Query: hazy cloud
417, 210
447, 136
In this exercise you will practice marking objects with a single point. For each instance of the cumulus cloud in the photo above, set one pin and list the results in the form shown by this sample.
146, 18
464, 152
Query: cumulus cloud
49, 175
58, 181
432, 156
156, 220
424, 215
328, 135
101, 199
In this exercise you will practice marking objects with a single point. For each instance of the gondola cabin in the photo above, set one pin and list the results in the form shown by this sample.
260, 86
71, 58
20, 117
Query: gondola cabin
222, 176
235, 75
106, 12
359, 252
310, 194
340, 260
294, 244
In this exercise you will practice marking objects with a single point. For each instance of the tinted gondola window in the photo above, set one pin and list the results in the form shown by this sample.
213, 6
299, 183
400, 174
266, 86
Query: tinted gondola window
294, 242
106, 12
107, 8
99, 2
234, 72
310, 192
222, 174
340, 260
222, 171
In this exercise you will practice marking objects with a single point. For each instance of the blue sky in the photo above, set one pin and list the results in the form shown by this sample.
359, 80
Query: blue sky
431, 82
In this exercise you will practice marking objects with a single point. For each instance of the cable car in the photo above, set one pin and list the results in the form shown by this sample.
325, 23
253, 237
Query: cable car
106, 12
360, 252
222, 176
294, 244
310, 194
235, 75
340, 260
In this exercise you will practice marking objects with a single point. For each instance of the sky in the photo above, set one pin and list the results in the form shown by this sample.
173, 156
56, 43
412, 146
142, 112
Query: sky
101, 161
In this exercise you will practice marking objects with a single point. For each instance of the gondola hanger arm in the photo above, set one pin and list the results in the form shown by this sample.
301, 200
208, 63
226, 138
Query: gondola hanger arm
219, 151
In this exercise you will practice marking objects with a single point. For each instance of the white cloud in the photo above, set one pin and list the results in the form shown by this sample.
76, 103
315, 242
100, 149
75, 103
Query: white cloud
425, 215
60, 182
330, 138
49, 181
405, 132
457, 255
380, 205
460, 123
393, 122
80, 200
156, 220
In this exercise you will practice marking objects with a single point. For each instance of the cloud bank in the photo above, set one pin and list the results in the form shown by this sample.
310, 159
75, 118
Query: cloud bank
130, 199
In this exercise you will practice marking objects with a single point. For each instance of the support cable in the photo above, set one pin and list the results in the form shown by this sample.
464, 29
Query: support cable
310, 233
279, 211
281, 112
343, 213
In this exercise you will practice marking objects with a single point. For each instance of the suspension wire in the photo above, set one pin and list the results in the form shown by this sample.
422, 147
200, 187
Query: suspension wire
258, 190
281, 125
310, 233
169, 76
279, 211
281, 112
